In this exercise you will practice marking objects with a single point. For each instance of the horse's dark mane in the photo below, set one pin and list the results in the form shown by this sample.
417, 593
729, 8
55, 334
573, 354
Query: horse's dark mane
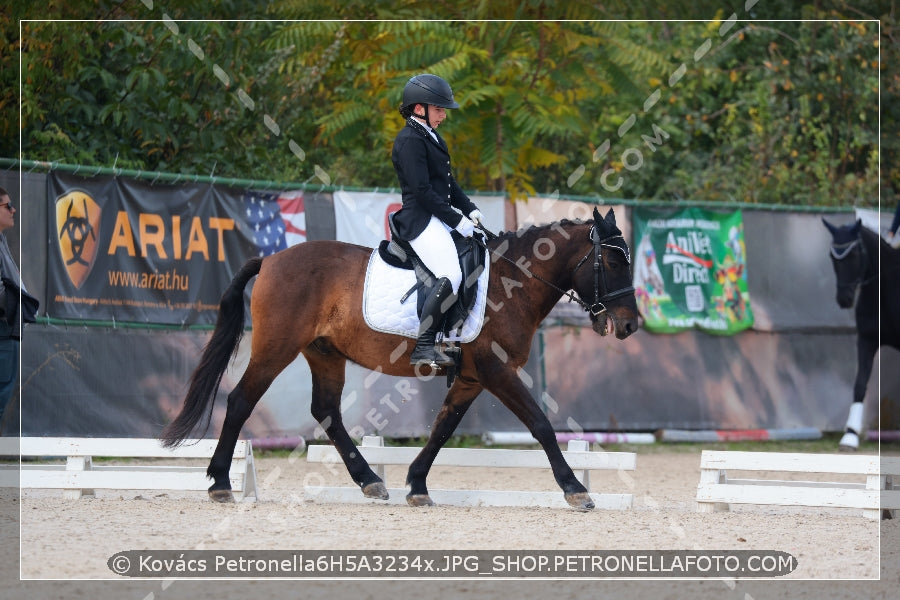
533, 231
872, 238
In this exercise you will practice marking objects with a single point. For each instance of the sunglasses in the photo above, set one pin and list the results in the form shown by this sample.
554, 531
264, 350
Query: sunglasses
8, 206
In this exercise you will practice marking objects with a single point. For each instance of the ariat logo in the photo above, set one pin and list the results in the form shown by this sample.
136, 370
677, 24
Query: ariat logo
77, 225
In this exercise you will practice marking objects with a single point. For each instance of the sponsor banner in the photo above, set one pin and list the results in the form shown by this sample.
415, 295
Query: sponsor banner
362, 217
127, 250
689, 270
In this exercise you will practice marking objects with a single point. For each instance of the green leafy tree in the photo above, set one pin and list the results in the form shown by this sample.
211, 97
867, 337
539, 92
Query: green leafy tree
554, 97
523, 87
168, 95
772, 112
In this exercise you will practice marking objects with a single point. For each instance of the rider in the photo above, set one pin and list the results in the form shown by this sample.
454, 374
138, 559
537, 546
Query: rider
433, 203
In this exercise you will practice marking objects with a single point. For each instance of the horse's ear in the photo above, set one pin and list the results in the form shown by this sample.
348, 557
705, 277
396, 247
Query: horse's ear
611, 217
830, 227
597, 217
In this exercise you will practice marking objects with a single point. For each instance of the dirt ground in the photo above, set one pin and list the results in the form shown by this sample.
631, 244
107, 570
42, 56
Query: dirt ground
837, 551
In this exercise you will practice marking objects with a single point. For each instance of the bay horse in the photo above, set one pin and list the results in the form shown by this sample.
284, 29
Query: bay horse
307, 299
866, 268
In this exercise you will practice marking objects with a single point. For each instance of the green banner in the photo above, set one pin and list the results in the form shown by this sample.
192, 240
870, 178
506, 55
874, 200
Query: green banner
689, 270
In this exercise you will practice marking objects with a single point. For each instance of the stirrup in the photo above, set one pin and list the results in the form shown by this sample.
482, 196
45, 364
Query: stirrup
435, 360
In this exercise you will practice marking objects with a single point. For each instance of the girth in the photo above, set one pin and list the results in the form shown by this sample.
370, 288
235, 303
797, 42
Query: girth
399, 253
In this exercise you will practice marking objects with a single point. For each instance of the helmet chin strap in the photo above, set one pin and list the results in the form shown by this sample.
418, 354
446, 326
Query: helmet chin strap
427, 120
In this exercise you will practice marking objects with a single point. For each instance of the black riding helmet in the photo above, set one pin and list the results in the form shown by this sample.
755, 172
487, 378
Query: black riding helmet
426, 89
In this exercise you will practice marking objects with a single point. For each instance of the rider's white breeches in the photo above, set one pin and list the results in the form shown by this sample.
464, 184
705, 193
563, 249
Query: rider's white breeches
436, 249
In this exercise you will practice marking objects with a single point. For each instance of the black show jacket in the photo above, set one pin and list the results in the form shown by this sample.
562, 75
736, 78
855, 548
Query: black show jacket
426, 182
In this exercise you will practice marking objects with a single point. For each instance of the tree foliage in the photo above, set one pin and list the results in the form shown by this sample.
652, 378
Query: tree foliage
575, 99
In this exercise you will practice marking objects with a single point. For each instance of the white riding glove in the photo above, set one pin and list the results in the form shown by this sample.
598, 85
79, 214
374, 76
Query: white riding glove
476, 216
465, 227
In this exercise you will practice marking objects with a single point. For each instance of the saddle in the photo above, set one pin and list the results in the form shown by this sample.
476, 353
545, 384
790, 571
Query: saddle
398, 253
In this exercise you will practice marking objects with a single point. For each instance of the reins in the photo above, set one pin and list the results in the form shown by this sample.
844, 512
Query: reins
595, 309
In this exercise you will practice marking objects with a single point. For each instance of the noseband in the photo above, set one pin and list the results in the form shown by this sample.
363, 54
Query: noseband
598, 307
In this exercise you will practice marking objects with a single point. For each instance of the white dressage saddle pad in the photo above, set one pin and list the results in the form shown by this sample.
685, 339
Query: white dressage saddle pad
384, 287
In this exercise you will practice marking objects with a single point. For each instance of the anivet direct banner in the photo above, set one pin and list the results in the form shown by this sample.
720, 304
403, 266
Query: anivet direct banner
690, 270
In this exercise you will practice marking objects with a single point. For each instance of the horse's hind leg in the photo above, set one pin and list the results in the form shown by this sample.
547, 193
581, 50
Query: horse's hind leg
241, 402
455, 406
328, 369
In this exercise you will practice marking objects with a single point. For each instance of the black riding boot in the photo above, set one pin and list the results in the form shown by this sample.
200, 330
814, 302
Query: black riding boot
432, 319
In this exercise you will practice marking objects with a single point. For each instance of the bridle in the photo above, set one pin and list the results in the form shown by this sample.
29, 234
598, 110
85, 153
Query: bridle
598, 307
841, 251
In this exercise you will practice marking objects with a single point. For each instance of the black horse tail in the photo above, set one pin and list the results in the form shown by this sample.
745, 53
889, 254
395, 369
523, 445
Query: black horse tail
216, 355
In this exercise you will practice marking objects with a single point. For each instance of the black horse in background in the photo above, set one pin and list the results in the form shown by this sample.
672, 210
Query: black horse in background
868, 273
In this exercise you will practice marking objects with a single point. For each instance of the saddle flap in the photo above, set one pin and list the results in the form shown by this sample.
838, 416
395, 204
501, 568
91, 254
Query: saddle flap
471, 261
471, 255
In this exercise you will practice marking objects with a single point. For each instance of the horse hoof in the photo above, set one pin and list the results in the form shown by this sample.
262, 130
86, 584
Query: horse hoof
375, 490
582, 501
419, 500
849, 442
222, 496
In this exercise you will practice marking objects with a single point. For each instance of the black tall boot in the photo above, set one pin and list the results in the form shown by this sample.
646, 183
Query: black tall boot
432, 320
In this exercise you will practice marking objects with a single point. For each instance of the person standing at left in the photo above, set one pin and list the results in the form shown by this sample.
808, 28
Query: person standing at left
12, 297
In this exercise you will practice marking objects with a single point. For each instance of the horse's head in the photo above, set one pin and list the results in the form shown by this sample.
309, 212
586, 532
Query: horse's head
848, 259
603, 280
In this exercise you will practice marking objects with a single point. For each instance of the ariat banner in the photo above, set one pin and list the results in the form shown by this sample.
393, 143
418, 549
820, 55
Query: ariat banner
128, 250
690, 270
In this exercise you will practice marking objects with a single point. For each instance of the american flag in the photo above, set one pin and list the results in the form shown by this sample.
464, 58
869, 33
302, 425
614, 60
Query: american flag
263, 214
294, 216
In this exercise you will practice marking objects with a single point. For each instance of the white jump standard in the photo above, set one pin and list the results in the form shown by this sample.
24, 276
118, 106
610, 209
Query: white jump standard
578, 456
81, 476
717, 489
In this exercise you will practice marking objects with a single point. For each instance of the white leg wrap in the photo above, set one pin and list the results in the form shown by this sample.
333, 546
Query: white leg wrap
855, 418
850, 440
854, 427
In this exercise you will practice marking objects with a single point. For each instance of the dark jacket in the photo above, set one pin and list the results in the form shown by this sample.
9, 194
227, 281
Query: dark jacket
426, 182
17, 306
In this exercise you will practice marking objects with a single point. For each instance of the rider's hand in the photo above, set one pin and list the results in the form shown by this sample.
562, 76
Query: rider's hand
476, 216
465, 227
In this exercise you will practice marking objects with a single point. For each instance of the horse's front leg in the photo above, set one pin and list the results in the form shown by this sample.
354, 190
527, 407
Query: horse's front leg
866, 347
457, 402
506, 385
328, 382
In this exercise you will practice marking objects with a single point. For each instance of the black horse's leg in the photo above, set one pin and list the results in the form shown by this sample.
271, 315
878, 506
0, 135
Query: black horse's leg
504, 383
457, 402
328, 382
866, 347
